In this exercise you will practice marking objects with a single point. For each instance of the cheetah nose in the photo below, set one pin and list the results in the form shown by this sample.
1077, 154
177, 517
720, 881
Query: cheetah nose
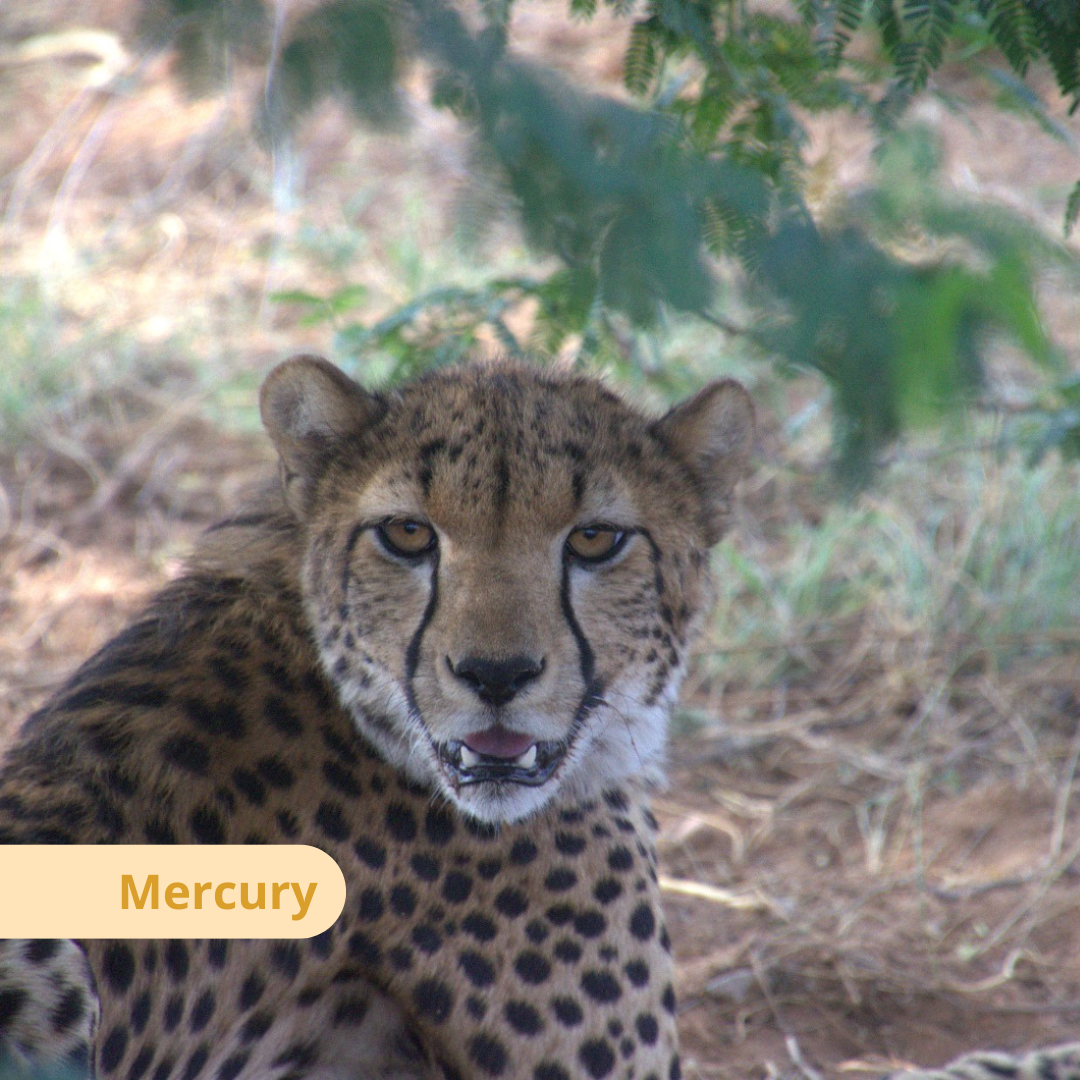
495, 682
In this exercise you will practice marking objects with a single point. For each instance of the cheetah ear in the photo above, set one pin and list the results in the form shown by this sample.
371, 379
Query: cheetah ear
713, 433
312, 410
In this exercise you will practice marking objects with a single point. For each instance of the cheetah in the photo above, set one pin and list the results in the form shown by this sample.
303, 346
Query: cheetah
442, 646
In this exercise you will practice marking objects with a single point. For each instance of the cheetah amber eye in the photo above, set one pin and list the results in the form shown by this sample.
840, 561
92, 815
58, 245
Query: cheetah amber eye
594, 543
408, 538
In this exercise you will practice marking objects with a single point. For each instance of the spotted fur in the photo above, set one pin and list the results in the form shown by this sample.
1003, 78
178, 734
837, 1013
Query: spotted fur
302, 682
1054, 1063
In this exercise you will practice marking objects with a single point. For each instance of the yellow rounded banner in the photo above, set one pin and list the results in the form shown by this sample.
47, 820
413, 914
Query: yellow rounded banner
167, 891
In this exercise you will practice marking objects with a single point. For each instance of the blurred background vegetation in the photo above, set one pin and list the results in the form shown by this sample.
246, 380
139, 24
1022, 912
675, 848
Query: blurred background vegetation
893, 298
860, 208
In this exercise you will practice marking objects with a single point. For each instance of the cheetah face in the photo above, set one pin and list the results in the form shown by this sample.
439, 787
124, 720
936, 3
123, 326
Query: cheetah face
503, 568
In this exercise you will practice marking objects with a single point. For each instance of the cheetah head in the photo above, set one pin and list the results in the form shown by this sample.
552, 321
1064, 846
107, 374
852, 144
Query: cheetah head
503, 567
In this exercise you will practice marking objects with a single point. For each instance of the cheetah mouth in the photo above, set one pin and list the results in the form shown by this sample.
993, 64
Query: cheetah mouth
531, 767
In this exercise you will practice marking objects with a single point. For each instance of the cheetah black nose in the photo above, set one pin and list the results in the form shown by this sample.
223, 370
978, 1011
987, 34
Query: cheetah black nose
496, 682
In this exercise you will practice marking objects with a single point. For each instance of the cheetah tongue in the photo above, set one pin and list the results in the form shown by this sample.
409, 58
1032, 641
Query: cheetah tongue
497, 742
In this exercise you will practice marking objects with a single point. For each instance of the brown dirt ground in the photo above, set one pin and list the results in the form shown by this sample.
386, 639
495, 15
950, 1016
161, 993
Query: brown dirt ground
872, 866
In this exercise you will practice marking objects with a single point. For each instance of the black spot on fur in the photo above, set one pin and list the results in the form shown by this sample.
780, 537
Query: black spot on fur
118, 966
511, 903
207, 826
401, 957
607, 889
479, 926
11, 1003
523, 1018
439, 826
643, 922
350, 1012
40, 950
456, 887
281, 717
402, 901
177, 961
532, 967
523, 852
233, 1065
425, 867
288, 824
332, 823
426, 938
488, 869
187, 753
569, 952
342, 779
589, 923
536, 932
174, 1010
598, 1057
570, 843
217, 719
250, 786
560, 914
275, 772
567, 1011
601, 986
285, 958
364, 949
479, 971
256, 1026
301, 1054
546, 1070
252, 990
216, 953
69, 1010
201, 1012
433, 999
560, 879
370, 852
401, 823
647, 1028
371, 905
488, 1054
141, 1063
113, 1048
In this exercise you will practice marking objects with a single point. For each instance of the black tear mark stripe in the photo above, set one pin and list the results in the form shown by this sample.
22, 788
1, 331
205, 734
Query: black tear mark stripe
355, 533
656, 558
412, 653
593, 692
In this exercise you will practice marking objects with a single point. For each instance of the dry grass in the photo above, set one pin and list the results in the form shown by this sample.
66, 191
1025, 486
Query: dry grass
871, 834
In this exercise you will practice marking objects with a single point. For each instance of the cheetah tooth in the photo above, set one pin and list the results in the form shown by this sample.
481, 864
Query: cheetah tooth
469, 759
528, 759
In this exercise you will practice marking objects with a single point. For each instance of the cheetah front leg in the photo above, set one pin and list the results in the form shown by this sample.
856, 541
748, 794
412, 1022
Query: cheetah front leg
364, 1034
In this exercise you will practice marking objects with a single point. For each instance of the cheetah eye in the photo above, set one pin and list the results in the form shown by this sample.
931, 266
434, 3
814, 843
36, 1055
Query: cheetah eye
595, 543
408, 538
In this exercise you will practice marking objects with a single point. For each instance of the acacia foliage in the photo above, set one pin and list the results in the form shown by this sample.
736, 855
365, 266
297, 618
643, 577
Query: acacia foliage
638, 201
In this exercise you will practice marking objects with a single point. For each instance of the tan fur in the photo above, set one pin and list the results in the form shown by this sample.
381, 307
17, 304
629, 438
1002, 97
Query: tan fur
301, 681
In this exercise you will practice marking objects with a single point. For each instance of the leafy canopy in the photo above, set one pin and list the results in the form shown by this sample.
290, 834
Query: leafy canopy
637, 202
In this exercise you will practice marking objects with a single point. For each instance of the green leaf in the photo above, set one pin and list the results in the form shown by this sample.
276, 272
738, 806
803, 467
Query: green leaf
1072, 208
297, 296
